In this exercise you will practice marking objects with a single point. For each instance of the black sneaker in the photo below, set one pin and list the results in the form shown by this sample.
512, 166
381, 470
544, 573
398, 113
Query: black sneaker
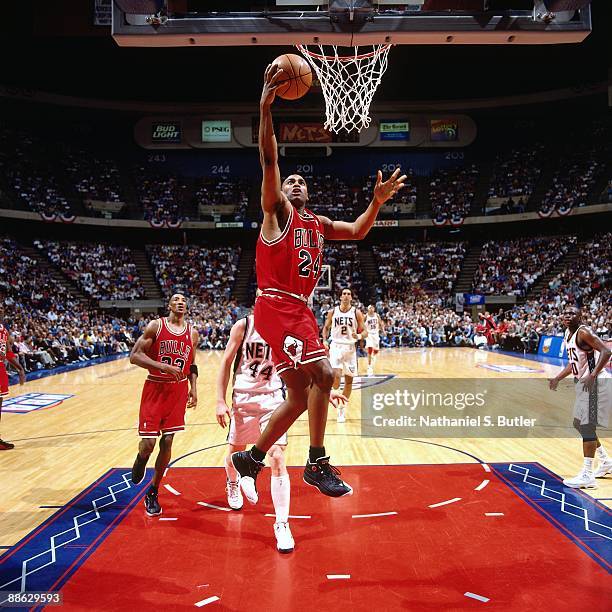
152, 506
324, 476
139, 470
248, 468
4, 445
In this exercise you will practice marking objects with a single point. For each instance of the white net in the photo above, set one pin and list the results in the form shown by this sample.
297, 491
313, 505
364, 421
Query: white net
348, 83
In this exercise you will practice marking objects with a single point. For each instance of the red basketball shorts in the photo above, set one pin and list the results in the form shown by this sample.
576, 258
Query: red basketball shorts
4, 386
290, 329
162, 408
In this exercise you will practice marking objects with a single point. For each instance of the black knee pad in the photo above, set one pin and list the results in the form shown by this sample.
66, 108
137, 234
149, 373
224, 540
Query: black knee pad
588, 432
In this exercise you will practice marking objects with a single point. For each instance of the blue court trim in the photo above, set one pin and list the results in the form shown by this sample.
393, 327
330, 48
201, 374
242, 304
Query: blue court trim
557, 361
71, 367
581, 518
96, 511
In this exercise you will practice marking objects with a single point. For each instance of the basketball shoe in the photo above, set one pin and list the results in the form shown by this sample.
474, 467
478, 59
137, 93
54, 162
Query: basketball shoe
248, 468
234, 495
152, 507
584, 480
138, 470
605, 467
324, 476
4, 445
284, 539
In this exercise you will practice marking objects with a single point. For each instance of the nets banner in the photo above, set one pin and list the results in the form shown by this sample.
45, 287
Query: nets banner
304, 131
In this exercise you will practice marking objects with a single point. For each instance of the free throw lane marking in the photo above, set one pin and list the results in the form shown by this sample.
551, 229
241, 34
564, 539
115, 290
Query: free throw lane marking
171, 489
292, 516
377, 514
338, 576
443, 503
475, 596
206, 601
494, 514
214, 507
482, 485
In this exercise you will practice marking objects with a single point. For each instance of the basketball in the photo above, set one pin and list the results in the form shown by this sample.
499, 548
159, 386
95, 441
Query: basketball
297, 79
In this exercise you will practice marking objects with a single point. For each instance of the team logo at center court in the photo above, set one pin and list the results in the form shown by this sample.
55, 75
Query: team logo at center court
294, 348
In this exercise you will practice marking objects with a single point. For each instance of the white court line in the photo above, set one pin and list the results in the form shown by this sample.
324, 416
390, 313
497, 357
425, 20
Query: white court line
168, 519
295, 516
378, 514
448, 501
215, 507
482, 485
478, 597
494, 514
486, 467
171, 489
205, 602
338, 576
165, 472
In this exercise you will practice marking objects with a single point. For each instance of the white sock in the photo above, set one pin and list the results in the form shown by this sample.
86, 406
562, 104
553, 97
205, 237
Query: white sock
588, 465
602, 455
230, 471
281, 496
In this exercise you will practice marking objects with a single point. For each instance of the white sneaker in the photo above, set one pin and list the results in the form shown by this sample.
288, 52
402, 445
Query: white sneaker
605, 467
341, 416
370, 371
581, 481
284, 539
234, 495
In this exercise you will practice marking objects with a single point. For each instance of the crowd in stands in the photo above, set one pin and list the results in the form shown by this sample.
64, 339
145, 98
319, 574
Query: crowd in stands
334, 197
511, 267
222, 191
574, 178
161, 196
205, 272
430, 266
402, 206
452, 190
516, 173
102, 271
93, 178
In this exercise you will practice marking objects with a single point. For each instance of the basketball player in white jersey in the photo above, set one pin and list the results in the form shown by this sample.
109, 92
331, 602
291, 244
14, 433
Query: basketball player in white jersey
588, 357
374, 326
347, 327
257, 392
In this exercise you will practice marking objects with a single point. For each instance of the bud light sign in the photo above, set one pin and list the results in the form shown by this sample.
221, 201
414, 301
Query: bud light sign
217, 131
167, 131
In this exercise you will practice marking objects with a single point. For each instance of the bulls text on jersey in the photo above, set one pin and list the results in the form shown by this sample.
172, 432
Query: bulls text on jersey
174, 347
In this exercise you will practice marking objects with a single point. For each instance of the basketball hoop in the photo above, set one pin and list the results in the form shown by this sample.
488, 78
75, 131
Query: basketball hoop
348, 83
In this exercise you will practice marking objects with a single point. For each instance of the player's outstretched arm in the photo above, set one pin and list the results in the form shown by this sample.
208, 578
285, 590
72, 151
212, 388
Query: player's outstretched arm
139, 356
361, 326
358, 229
229, 355
553, 383
271, 195
192, 400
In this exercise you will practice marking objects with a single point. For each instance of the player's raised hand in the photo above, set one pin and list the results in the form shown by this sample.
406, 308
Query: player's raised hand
387, 189
336, 398
172, 370
272, 75
222, 411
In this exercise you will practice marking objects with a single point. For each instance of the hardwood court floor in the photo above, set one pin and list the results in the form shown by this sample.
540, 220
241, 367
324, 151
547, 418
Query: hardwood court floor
61, 450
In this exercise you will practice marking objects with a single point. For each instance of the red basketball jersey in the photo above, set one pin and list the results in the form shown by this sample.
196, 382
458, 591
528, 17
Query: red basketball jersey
4, 347
293, 261
172, 348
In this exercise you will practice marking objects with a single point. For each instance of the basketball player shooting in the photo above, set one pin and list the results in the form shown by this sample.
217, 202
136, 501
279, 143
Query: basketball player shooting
587, 358
289, 256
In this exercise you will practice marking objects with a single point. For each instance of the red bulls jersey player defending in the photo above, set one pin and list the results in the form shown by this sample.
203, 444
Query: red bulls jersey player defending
166, 349
288, 261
